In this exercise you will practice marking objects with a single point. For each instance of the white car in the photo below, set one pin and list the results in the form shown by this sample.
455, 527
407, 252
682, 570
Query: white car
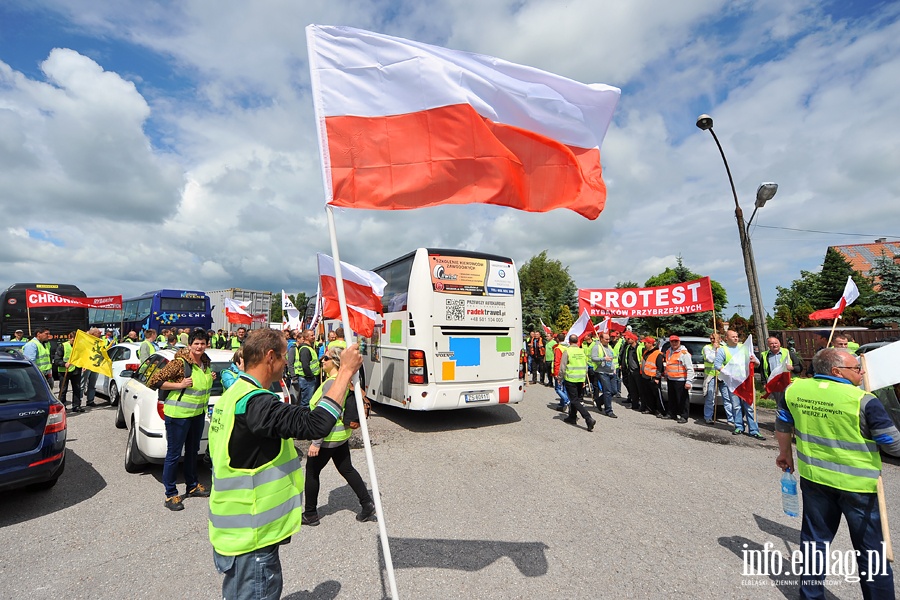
142, 412
125, 362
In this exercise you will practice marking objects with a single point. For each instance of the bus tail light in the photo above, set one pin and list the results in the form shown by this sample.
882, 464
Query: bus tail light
56, 418
418, 372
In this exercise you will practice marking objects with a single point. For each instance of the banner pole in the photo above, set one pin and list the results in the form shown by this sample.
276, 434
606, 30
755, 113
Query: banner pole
715, 375
363, 425
28, 312
830, 335
882, 502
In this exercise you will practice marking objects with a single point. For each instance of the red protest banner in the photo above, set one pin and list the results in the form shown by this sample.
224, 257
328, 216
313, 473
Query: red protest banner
676, 299
34, 298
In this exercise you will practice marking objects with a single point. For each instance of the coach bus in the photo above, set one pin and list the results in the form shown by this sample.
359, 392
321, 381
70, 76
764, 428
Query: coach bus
450, 334
161, 309
60, 319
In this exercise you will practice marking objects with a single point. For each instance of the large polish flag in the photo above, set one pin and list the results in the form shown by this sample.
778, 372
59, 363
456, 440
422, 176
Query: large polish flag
850, 294
363, 289
737, 373
780, 376
236, 312
405, 125
581, 327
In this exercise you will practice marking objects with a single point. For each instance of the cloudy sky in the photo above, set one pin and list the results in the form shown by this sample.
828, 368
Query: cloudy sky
172, 144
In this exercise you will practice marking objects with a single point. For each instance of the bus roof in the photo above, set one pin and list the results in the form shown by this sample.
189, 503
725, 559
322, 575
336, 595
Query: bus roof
169, 294
66, 289
447, 252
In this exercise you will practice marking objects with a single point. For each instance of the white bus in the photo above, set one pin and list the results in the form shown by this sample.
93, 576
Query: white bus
451, 332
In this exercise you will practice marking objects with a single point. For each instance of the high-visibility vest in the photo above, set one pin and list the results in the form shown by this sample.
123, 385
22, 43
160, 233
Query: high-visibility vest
340, 433
313, 361
576, 365
648, 364
548, 348
852, 347
675, 368
764, 363
67, 353
214, 341
250, 509
586, 348
617, 349
337, 344
192, 401
234, 342
640, 351
709, 368
42, 362
728, 355
146, 350
830, 448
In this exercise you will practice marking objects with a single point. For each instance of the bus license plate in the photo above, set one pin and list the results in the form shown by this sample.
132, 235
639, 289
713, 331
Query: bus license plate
478, 397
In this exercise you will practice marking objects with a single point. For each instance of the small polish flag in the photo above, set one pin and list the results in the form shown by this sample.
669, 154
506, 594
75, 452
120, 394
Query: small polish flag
236, 312
363, 290
851, 293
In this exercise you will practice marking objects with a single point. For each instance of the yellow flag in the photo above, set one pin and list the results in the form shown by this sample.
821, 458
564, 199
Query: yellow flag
89, 352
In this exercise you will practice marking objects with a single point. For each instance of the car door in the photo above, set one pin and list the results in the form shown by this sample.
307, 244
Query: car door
137, 392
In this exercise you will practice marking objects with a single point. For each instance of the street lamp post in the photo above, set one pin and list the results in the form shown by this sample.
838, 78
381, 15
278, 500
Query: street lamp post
765, 193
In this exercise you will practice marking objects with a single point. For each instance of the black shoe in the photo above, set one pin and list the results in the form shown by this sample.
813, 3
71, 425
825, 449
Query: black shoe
737, 432
77, 409
611, 415
681, 420
570, 420
757, 435
199, 491
174, 503
590, 424
311, 520
91, 404
562, 408
661, 416
367, 513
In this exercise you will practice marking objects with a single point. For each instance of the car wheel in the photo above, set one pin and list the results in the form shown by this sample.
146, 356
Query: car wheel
120, 417
113, 393
133, 458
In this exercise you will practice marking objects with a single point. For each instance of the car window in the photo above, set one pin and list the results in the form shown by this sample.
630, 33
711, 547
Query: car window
18, 383
157, 361
119, 353
695, 348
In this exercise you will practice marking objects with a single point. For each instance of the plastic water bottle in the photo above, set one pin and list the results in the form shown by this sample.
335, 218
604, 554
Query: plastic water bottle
790, 501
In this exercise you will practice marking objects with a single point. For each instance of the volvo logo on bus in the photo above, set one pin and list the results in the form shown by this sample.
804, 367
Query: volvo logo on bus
439, 273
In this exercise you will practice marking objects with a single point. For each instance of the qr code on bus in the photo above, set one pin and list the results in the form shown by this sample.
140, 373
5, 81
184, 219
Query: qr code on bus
456, 310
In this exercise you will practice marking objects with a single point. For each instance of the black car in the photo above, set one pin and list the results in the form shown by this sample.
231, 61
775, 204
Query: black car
32, 426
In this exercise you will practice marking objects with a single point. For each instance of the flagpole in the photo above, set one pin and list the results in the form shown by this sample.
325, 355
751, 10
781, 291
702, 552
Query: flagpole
830, 335
882, 504
363, 425
28, 311
715, 375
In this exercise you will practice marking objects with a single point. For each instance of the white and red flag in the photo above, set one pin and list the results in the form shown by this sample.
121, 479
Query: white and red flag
236, 312
363, 289
406, 125
851, 293
779, 377
546, 329
737, 373
581, 327
290, 318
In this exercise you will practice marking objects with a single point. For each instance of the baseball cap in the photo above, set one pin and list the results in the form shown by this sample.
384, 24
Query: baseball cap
630, 336
19, 331
674, 338
649, 340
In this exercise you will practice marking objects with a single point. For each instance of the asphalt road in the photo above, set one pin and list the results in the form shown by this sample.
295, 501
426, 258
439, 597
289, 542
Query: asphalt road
501, 502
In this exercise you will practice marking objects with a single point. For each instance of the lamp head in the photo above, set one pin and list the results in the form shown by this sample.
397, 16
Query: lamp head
764, 193
704, 122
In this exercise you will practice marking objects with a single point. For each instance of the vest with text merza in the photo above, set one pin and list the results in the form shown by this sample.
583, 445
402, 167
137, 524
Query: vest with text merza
649, 367
576, 365
192, 401
340, 433
830, 447
250, 509
764, 362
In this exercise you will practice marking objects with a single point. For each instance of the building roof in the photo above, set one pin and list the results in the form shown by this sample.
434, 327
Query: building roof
863, 256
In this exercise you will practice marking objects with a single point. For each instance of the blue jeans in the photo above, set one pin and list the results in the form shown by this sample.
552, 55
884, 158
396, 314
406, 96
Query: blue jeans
561, 392
88, 385
617, 383
727, 402
252, 576
822, 510
606, 383
709, 397
182, 433
306, 387
742, 411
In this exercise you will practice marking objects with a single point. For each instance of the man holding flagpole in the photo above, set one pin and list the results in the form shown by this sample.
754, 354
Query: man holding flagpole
738, 383
839, 430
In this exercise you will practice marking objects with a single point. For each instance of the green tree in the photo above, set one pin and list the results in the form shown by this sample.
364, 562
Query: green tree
692, 324
832, 279
794, 304
739, 324
542, 275
885, 309
564, 319
299, 299
533, 310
